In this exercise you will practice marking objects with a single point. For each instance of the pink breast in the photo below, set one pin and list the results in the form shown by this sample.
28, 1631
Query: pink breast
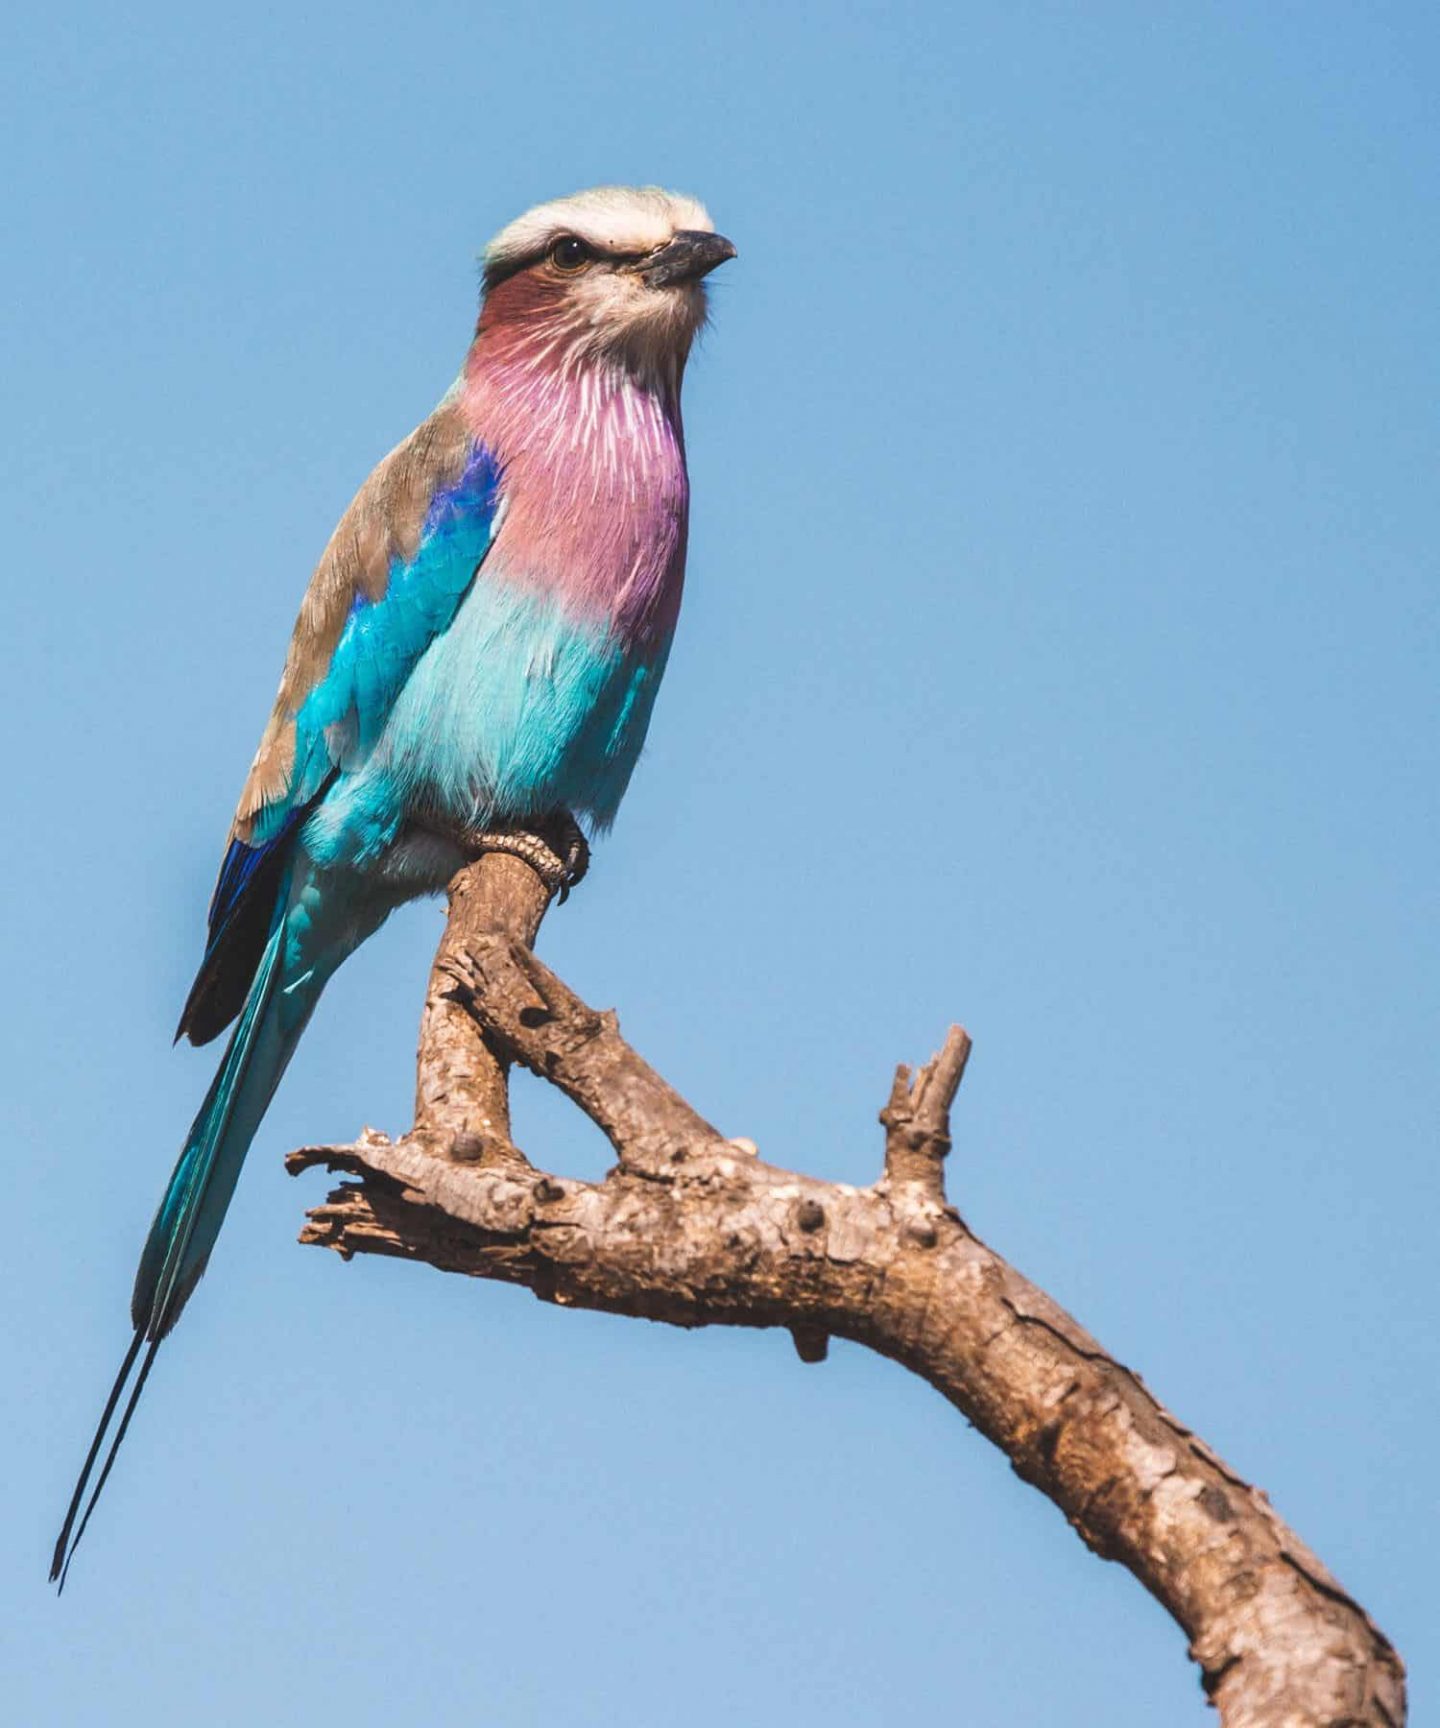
596, 497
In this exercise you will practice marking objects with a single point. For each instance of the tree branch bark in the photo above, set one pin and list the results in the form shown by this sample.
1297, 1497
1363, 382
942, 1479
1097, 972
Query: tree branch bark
694, 1229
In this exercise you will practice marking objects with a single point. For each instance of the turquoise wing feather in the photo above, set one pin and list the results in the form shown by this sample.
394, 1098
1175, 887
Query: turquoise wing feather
391, 580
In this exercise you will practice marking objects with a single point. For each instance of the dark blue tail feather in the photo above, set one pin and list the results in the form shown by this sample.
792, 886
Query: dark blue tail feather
190, 1214
60, 1559
64, 1547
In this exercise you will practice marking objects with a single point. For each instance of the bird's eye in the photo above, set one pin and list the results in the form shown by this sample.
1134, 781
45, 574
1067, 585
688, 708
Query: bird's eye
570, 254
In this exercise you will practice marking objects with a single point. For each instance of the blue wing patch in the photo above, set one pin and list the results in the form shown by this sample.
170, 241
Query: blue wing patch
237, 873
241, 912
337, 724
382, 640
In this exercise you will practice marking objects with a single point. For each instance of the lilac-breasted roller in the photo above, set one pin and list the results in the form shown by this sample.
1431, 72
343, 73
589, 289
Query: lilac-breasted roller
479, 650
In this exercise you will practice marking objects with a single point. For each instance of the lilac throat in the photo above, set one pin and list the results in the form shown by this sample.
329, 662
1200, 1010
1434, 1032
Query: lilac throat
594, 490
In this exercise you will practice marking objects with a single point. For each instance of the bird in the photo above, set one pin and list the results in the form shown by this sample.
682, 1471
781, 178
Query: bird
474, 665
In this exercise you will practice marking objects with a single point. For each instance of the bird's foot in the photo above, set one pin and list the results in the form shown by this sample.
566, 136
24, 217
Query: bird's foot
569, 844
555, 848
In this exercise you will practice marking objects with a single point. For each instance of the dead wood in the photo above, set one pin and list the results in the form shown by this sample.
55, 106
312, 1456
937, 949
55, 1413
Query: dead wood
694, 1229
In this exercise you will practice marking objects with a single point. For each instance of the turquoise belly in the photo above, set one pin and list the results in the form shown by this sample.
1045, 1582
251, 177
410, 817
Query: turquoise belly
515, 710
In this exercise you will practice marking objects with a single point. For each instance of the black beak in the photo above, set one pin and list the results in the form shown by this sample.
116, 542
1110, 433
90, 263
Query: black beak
688, 257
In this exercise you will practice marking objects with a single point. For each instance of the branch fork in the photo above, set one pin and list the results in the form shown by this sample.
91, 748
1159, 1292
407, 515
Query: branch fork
692, 1228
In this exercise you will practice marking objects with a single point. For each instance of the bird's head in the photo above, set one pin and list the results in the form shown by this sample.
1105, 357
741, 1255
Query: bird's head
614, 274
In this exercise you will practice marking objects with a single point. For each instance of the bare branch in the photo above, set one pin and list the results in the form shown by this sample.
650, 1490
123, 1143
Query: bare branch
917, 1118
460, 1082
694, 1229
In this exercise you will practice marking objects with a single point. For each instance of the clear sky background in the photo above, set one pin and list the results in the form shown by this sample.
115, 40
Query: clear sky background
1060, 655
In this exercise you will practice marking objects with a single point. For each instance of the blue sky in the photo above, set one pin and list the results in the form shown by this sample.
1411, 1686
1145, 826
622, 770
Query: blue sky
1059, 655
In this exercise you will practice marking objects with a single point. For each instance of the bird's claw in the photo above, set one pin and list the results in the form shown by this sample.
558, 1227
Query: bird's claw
555, 849
573, 851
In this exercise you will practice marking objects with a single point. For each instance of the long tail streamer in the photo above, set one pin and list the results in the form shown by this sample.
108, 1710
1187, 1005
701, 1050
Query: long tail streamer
190, 1215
